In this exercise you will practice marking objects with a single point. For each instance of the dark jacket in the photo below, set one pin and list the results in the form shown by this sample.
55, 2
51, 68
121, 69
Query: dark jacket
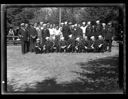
93, 31
110, 33
98, 30
24, 35
32, 32
104, 31
89, 31
79, 32
66, 31
98, 42
45, 33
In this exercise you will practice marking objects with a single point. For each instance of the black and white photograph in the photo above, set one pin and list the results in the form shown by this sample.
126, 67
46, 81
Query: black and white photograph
63, 48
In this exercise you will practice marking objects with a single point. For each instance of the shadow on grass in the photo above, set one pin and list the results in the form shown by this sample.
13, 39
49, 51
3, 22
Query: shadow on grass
50, 86
103, 74
103, 78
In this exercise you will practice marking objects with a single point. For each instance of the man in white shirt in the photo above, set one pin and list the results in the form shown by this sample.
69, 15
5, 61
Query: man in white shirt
52, 31
83, 27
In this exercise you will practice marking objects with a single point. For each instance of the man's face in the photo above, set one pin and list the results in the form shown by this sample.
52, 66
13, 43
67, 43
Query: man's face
83, 24
97, 22
57, 27
51, 26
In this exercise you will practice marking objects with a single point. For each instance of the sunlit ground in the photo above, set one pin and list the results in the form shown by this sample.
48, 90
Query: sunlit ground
62, 72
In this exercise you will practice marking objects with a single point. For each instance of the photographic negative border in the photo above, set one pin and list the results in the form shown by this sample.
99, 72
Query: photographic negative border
4, 47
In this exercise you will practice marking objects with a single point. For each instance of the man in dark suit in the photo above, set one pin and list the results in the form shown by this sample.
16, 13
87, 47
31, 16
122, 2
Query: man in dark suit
66, 31
88, 30
79, 44
99, 44
109, 35
103, 30
23, 34
45, 33
70, 44
33, 36
79, 31
85, 43
62, 45
98, 29
90, 44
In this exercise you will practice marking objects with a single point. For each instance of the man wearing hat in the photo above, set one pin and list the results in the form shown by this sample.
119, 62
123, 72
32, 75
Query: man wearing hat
79, 46
79, 31
66, 31
47, 45
88, 29
99, 44
70, 44
45, 33
109, 35
90, 44
85, 43
23, 34
98, 29
33, 36
38, 46
104, 30
62, 45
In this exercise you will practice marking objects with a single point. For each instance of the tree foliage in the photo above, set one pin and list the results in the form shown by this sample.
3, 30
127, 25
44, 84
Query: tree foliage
15, 16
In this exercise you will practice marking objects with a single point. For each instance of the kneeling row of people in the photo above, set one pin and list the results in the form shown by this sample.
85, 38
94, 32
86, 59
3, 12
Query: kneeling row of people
78, 44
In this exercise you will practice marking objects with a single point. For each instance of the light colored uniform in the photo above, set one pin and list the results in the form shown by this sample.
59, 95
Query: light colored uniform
57, 32
83, 30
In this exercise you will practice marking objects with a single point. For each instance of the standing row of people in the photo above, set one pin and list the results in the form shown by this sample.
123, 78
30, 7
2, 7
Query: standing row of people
66, 31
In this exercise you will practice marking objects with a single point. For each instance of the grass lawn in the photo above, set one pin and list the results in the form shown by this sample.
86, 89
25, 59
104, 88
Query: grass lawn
62, 72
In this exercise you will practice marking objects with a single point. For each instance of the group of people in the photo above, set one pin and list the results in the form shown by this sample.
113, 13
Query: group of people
86, 37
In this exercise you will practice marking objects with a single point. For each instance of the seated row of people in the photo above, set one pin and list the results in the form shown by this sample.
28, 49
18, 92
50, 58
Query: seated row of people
78, 44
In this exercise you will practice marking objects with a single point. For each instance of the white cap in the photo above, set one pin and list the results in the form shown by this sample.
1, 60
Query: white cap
37, 39
92, 37
100, 36
89, 22
41, 22
97, 21
44, 24
62, 38
109, 23
70, 35
77, 38
62, 23
22, 24
83, 22
103, 24
47, 38
65, 22
75, 24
